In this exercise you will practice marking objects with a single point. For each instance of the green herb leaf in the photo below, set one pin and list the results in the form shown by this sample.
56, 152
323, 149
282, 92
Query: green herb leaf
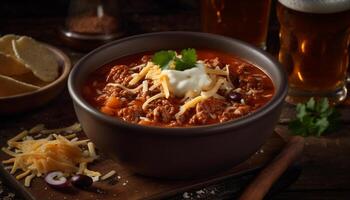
314, 118
187, 61
311, 104
162, 58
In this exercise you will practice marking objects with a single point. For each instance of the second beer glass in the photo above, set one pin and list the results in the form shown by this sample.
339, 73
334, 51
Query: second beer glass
314, 39
246, 20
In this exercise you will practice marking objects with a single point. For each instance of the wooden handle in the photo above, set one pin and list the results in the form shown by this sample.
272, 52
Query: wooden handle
262, 183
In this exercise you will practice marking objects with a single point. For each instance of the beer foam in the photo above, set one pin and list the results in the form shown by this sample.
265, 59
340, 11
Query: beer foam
317, 6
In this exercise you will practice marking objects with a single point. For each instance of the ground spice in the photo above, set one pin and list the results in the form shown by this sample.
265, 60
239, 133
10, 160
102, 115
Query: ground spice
93, 24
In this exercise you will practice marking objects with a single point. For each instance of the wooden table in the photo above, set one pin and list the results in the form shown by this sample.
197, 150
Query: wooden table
325, 162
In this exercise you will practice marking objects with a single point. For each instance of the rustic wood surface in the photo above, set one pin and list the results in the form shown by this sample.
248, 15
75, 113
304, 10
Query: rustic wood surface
325, 161
129, 185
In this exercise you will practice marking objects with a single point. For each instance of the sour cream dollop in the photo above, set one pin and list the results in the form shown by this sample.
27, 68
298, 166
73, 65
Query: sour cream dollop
189, 80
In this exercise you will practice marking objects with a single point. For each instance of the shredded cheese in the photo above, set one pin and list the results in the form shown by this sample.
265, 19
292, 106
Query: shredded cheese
134, 90
144, 86
91, 148
108, 175
28, 180
11, 160
204, 95
228, 76
18, 137
71, 136
35, 157
213, 90
217, 78
154, 86
149, 100
137, 67
37, 128
24, 174
8, 152
142, 74
159, 79
82, 167
165, 85
219, 72
190, 104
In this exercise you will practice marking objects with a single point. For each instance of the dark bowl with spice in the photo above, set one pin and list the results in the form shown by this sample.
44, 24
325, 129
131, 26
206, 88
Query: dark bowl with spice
178, 152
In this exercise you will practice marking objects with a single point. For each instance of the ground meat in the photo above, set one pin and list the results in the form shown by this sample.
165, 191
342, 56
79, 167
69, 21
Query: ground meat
242, 69
131, 113
251, 83
100, 100
119, 74
182, 119
213, 63
253, 86
208, 110
161, 110
163, 113
235, 111
145, 59
212, 105
201, 118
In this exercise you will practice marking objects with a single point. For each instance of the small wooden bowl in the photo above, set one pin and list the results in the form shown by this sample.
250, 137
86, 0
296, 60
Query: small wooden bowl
30, 100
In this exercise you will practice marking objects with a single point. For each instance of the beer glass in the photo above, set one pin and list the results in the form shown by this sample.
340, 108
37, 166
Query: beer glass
246, 20
314, 41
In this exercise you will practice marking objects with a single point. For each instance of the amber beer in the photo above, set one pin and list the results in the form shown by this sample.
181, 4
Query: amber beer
246, 20
314, 41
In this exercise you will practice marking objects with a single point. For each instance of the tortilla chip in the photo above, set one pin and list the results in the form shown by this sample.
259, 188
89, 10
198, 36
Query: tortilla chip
30, 79
10, 86
6, 44
37, 58
10, 66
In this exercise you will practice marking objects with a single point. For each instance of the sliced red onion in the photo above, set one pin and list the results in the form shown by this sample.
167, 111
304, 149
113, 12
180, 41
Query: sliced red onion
56, 180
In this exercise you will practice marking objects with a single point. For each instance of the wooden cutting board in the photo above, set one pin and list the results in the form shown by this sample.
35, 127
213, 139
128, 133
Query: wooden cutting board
133, 186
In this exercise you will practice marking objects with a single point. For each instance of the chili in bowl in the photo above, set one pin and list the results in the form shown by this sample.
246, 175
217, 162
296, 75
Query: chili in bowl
213, 89
178, 104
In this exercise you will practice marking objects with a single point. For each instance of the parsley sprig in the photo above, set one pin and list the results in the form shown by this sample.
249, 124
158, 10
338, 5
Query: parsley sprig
314, 118
187, 61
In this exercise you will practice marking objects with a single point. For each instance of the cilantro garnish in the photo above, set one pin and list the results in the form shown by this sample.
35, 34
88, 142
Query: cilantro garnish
162, 58
188, 59
314, 118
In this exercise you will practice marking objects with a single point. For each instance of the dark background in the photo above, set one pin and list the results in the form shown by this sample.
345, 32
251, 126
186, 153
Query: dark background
137, 16
59, 8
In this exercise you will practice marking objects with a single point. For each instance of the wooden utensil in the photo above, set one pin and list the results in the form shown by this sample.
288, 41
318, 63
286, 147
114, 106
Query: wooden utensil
263, 182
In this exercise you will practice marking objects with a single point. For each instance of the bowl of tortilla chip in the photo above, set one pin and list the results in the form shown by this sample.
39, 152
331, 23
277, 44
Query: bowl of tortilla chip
31, 73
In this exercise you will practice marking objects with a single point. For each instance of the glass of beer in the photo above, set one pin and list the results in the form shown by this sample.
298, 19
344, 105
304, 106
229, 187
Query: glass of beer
246, 20
314, 41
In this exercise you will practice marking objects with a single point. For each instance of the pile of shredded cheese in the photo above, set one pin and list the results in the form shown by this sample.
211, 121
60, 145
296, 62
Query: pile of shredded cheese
153, 72
50, 152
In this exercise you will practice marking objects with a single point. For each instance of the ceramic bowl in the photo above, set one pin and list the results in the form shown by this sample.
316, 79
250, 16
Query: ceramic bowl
178, 152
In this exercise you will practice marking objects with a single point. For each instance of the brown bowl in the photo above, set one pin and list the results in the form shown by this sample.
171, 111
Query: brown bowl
31, 100
177, 152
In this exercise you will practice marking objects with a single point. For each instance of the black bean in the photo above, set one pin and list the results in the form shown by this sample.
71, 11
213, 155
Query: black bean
81, 181
234, 96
